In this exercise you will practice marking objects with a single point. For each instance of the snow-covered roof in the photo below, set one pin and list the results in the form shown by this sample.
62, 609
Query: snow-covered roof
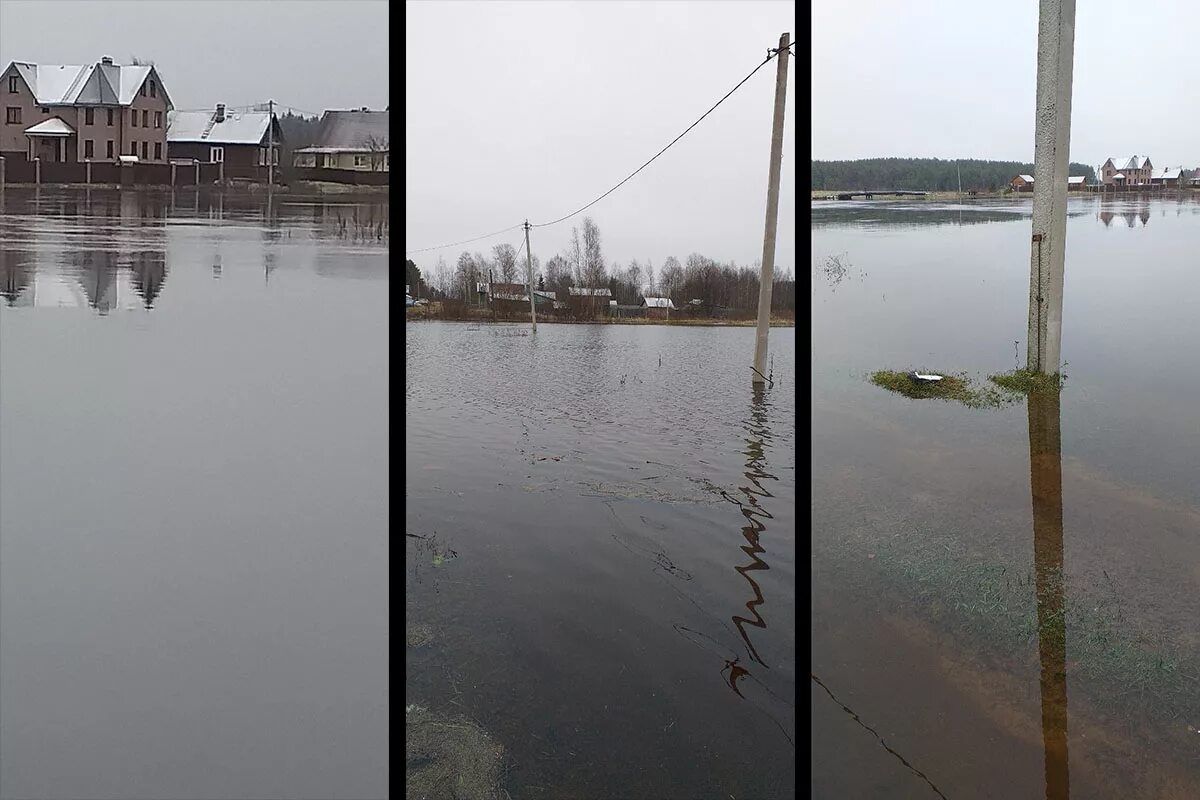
657, 302
51, 127
577, 291
1076, 179
1026, 178
1120, 175
87, 84
245, 127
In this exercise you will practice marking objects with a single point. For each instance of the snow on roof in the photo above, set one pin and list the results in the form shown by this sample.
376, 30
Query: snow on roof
1076, 179
657, 302
51, 127
576, 291
88, 84
246, 127
1119, 175
1026, 178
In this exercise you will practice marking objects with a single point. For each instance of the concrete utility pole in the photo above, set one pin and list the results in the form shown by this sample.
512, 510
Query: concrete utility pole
529, 266
1051, 161
768, 259
270, 145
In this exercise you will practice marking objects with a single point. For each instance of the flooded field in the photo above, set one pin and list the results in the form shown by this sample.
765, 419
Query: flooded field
601, 559
1006, 600
194, 528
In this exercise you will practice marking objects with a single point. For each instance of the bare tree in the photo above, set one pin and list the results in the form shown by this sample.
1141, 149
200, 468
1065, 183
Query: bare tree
593, 259
575, 257
506, 261
379, 149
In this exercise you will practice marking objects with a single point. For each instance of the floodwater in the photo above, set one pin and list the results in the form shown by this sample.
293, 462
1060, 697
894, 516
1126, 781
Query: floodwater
600, 528
193, 497
1006, 602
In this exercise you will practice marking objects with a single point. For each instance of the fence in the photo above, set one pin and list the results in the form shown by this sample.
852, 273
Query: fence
20, 171
350, 176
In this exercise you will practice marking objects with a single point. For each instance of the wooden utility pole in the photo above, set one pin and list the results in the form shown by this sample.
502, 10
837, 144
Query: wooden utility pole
529, 267
768, 260
1051, 160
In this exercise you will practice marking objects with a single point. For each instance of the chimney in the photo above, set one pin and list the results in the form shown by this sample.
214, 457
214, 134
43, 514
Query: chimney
106, 60
220, 112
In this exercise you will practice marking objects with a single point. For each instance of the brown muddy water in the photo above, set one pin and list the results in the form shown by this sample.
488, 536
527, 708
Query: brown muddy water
1006, 602
601, 555
194, 528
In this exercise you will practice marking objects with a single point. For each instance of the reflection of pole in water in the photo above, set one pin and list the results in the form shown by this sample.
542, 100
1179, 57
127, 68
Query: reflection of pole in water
755, 465
1045, 478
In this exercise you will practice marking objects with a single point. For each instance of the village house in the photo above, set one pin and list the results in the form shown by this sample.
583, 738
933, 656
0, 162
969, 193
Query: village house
71, 113
1134, 171
349, 140
1169, 177
1075, 183
584, 302
239, 140
658, 307
1022, 183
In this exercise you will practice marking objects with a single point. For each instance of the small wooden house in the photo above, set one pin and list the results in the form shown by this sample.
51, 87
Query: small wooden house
1022, 183
658, 307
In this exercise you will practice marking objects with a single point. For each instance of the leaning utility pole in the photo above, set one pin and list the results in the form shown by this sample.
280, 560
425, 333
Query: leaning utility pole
1051, 162
768, 259
529, 265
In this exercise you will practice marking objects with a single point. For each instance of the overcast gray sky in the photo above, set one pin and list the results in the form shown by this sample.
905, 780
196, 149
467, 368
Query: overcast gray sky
957, 80
516, 110
310, 55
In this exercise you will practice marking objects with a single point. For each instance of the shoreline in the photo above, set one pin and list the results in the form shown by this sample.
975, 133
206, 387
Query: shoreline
681, 323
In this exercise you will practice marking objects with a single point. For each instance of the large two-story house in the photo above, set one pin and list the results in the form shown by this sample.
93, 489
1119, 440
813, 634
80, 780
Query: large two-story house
1133, 171
71, 113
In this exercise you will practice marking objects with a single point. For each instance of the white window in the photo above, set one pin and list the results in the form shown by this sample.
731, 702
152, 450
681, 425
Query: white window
362, 161
262, 156
216, 155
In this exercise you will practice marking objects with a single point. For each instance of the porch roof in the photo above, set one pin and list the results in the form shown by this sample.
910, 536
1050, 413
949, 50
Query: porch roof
51, 127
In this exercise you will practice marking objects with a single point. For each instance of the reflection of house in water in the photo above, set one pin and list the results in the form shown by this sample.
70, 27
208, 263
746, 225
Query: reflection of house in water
148, 272
96, 273
16, 276
1128, 212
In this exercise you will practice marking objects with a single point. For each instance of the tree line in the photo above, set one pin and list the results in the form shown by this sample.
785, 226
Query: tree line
924, 174
728, 286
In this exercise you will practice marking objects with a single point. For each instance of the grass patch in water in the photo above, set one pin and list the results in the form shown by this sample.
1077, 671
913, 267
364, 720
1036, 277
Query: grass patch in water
1024, 381
955, 387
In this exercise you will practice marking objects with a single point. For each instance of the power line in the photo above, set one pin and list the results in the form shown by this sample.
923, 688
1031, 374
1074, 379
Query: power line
771, 54
464, 241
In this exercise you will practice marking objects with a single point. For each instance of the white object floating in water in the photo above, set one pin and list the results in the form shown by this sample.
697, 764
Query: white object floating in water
927, 378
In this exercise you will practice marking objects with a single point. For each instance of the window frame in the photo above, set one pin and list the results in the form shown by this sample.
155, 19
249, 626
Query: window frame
12, 85
110, 116
145, 150
89, 148
216, 154
12, 115
158, 119
152, 88
133, 117
158, 151
145, 118
109, 150
44, 109
89, 116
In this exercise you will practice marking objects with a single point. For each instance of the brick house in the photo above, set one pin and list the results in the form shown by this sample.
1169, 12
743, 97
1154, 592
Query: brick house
239, 140
71, 114
1133, 171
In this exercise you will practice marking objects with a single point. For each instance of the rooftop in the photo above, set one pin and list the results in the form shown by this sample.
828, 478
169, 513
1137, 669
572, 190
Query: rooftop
101, 83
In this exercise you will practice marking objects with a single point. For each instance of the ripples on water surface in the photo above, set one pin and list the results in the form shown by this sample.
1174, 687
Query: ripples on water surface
619, 610
1006, 602
193, 497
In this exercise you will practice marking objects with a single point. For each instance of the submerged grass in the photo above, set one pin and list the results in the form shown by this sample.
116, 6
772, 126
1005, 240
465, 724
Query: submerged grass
1024, 381
957, 387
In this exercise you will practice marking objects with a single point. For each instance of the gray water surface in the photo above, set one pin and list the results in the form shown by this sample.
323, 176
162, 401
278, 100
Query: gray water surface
601, 535
193, 498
